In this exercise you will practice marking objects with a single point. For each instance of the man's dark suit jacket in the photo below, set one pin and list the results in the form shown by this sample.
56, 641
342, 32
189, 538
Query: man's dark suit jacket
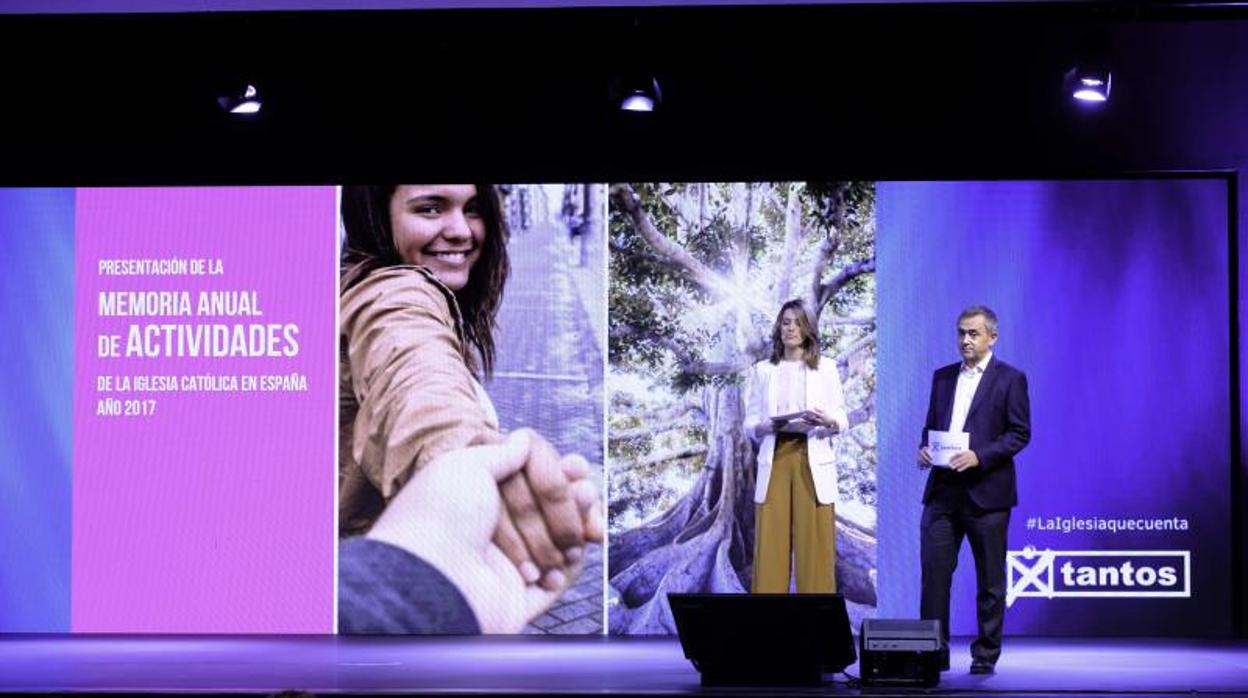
999, 422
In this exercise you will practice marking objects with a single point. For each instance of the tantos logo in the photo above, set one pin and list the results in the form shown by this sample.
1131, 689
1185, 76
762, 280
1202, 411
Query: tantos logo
1053, 574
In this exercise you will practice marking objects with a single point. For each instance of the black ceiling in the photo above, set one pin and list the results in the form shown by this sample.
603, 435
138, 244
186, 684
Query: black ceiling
749, 92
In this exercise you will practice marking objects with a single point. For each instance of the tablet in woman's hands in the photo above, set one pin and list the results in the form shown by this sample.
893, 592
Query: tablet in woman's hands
795, 422
801, 415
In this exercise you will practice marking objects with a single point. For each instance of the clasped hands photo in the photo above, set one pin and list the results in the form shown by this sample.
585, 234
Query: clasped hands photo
507, 523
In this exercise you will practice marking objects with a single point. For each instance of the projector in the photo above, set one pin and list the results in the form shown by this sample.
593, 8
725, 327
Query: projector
900, 652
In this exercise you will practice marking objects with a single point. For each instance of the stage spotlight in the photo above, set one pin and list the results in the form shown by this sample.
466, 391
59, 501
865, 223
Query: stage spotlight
636, 94
244, 103
638, 101
1089, 85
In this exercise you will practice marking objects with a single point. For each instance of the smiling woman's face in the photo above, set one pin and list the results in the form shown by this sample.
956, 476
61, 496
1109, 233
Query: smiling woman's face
440, 227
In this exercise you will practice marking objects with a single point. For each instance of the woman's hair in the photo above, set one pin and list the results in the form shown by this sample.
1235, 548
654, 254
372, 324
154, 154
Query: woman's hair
370, 246
810, 338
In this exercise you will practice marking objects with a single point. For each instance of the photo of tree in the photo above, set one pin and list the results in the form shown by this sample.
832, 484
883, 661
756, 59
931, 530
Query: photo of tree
698, 272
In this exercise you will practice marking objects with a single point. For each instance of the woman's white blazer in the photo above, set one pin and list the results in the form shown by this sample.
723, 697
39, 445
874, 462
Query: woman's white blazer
823, 390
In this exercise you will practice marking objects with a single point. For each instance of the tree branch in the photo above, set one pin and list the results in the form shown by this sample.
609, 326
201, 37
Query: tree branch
851, 320
654, 259
827, 291
683, 452
827, 249
858, 345
624, 330
641, 432
741, 256
691, 268
667, 414
835, 217
689, 363
702, 207
792, 235
712, 368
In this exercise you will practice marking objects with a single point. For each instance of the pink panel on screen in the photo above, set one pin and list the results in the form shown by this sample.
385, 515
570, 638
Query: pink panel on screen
214, 514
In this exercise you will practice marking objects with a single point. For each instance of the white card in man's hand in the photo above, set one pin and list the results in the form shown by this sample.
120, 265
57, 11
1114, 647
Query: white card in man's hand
944, 445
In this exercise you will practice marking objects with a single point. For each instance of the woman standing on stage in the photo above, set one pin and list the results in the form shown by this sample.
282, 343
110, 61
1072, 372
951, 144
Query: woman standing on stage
794, 407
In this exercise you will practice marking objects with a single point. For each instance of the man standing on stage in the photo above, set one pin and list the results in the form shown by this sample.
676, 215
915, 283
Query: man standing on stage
971, 487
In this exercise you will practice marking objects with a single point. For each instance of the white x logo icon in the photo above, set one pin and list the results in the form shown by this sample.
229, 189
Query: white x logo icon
1029, 565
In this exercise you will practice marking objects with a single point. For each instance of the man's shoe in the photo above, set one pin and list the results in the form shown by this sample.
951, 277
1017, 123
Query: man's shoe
982, 668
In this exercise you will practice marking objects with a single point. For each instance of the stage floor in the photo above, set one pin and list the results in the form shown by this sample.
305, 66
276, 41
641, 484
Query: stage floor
529, 664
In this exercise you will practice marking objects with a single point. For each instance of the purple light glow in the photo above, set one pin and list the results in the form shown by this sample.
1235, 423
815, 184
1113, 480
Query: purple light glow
639, 102
1088, 95
1093, 88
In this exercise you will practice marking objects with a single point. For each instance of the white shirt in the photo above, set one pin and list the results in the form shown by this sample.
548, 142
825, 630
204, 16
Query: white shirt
790, 387
968, 382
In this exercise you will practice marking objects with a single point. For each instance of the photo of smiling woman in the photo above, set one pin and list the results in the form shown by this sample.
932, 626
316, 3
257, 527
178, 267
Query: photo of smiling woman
423, 274
794, 407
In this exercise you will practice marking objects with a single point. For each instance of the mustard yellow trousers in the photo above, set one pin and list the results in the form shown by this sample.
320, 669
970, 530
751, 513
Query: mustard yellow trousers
792, 520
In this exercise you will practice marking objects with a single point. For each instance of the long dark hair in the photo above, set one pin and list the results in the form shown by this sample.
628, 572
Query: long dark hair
370, 246
810, 337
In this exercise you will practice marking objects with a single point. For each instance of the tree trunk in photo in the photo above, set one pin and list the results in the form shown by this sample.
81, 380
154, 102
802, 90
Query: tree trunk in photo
855, 561
703, 543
